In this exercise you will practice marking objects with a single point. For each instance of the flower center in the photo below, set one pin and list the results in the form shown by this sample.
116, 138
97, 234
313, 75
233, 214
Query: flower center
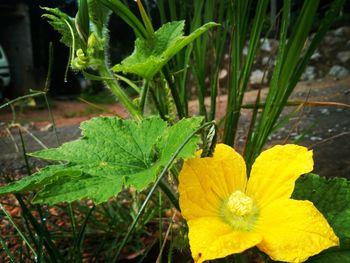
240, 204
239, 211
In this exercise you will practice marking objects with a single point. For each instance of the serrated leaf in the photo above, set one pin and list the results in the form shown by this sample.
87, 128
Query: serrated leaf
150, 55
112, 153
86, 186
58, 20
42, 178
332, 198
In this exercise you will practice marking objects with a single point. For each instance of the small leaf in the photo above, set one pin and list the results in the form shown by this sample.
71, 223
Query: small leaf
98, 14
112, 153
58, 20
82, 22
332, 198
150, 55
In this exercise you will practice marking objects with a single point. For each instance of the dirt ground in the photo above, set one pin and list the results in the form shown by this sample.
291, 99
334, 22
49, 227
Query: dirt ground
325, 128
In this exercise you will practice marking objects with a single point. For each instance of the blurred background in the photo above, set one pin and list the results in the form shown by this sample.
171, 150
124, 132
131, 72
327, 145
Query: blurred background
25, 38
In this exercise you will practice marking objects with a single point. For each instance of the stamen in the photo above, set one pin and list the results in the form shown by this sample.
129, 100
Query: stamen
240, 204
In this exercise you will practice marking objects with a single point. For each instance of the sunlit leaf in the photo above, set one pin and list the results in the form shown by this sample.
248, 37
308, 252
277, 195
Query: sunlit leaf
59, 21
150, 55
111, 153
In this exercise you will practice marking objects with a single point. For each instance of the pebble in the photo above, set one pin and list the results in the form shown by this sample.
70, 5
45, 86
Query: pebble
315, 138
310, 73
338, 71
266, 45
257, 77
324, 111
316, 56
223, 74
344, 56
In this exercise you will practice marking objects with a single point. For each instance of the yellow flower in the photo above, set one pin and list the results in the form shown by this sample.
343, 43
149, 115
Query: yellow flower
226, 214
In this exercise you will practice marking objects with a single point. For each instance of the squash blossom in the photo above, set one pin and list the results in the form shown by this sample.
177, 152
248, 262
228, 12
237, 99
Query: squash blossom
227, 214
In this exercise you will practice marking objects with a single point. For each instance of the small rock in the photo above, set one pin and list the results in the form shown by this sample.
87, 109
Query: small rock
315, 138
316, 56
257, 77
223, 74
340, 31
338, 71
344, 56
266, 45
268, 60
265, 60
324, 111
332, 40
310, 73
245, 50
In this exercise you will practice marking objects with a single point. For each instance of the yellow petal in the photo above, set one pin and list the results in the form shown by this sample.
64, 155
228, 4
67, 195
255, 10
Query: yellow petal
205, 182
275, 171
211, 238
294, 230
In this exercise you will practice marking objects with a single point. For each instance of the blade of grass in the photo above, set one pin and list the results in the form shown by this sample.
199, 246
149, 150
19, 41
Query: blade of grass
240, 75
40, 229
9, 217
82, 230
38, 93
7, 250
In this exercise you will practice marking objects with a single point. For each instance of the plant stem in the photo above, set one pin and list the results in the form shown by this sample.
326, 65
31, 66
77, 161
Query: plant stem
118, 92
170, 194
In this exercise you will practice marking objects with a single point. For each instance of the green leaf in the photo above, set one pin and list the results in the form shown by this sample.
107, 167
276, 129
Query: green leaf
150, 55
332, 257
39, 179
82, 22
99, 15
111, 153
86, 186
58, 20
332, 198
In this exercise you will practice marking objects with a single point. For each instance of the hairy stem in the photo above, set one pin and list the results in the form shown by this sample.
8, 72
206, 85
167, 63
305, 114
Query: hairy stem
118, 92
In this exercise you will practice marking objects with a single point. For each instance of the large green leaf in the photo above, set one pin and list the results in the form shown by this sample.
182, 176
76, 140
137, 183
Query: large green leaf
150, 55
112, 153
332, 198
